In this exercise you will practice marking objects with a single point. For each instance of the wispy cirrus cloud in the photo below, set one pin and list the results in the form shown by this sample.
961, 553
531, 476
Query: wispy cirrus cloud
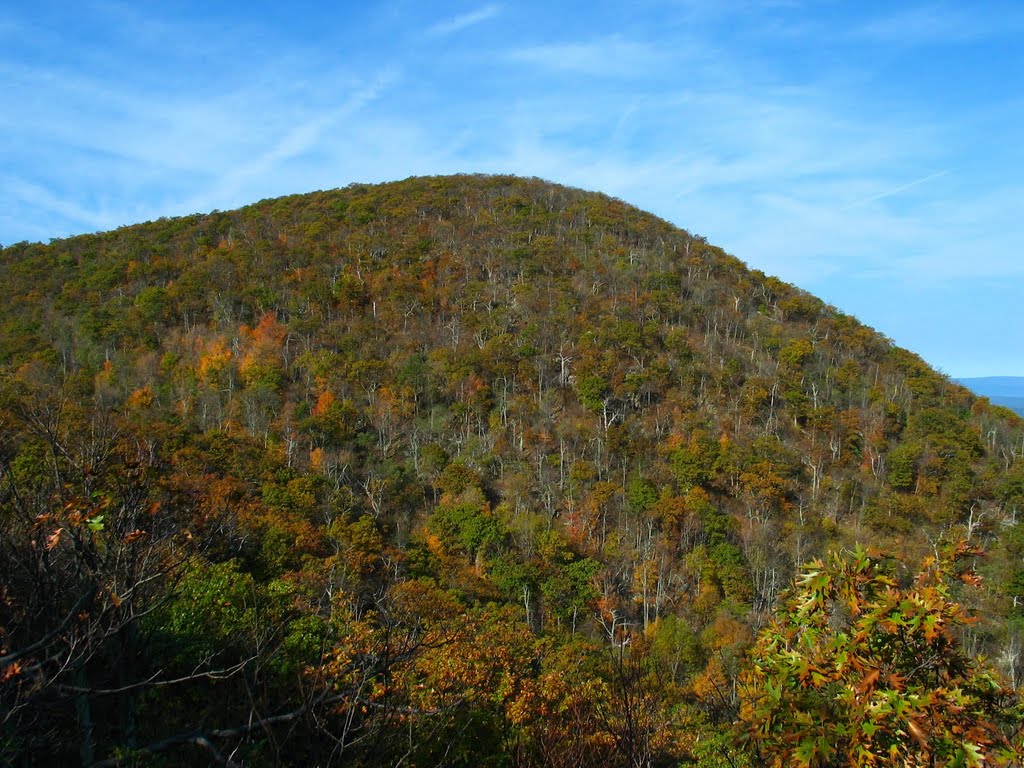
941, 24
896, 190
611, 57
464, 21
307, 134
811, 142
22, 193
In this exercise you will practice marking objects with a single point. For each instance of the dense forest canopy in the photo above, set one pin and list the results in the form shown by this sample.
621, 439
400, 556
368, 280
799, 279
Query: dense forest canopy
460, 470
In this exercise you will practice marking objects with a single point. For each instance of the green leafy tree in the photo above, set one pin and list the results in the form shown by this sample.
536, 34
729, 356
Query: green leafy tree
857, 671
570, 591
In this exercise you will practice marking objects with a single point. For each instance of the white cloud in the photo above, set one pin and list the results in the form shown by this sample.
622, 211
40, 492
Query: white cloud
896, 190
804, 158
298, 139
941, 24
27, 193
612, 57
465, 20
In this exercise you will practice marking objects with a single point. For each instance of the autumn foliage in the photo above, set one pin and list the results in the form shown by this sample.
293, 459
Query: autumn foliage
479, 471
858, 671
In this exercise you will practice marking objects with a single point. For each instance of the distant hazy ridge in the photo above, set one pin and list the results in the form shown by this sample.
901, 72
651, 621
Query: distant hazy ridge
1007, 391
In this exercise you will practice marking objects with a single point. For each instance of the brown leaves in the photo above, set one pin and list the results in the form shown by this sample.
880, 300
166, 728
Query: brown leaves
918, 733
868, 682
970, 578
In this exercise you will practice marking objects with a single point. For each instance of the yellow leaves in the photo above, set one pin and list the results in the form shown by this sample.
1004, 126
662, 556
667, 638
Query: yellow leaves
670, 510
359, 548
563, 706
360, 640
323, 404
395, 402
316, 459
532, 702
645, 579
708, 599
710, 684
421, 603
268, 335
478, 656
670, 444
261, 356
214, 360
425, 656
141, 398
434, 544
728, 633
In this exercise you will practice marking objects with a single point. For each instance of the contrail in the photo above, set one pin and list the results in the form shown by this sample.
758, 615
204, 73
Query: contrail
895, 190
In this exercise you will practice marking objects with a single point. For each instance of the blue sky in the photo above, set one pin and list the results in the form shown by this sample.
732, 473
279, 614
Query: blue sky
869, 152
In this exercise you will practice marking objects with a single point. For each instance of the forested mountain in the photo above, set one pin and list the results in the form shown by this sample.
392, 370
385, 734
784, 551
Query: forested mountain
461, 470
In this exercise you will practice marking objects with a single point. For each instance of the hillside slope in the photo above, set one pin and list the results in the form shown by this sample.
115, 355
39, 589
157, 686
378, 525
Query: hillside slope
273, 451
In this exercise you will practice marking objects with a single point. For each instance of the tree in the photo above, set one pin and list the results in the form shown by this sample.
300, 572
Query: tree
857, 671
87, 549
